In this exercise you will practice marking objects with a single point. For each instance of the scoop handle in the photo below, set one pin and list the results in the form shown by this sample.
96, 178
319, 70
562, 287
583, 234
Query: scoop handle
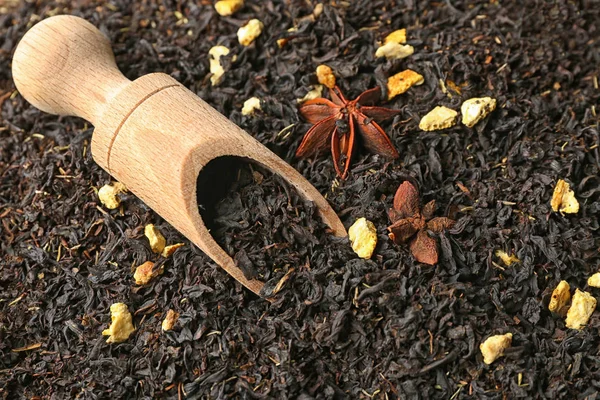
64, 65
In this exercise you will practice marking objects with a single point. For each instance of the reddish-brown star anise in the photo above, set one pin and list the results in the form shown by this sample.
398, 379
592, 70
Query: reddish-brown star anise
335, 121
408, 219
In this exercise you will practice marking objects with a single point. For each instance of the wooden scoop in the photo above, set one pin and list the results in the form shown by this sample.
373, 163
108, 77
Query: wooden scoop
152, 134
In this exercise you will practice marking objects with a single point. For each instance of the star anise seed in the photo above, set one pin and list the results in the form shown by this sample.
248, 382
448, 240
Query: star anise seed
335, 122
408, 220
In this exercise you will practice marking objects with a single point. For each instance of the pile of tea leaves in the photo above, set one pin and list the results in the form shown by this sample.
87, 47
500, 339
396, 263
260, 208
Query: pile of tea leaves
259, 220
344, 327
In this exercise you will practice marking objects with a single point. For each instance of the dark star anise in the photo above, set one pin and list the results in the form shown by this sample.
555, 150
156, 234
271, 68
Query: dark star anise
408, 219
335, 121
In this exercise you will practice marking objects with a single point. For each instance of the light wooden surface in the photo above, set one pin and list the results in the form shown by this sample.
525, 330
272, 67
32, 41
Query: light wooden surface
152, 134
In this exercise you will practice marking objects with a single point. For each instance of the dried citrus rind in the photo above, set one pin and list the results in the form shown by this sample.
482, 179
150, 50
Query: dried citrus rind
402, 81
493, 347
156, 239
563, 199
249, 32
439, 118
225, 8
582, 308
121, 326
325, 76
560, 297
363, 237
474, 110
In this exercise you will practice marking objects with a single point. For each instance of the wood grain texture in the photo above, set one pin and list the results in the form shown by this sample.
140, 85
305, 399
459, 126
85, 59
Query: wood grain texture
152, 134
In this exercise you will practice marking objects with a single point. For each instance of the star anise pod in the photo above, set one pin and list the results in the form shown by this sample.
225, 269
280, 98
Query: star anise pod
411, 223
335, 123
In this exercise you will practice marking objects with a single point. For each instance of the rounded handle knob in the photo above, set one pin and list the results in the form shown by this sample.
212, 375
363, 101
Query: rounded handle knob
65, 66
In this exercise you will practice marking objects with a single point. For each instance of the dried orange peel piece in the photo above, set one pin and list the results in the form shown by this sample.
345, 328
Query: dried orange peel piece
402, 81
494, 346
563, 199
121, 326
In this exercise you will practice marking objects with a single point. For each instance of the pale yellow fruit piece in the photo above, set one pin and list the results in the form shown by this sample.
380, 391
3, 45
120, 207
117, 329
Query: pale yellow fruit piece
398, 36
170, 320
170, 249
394, 51
144, 273
325, 76
439, 118
109, 195
314, 93
226, 8
120, 326
507, 259
494, 346
216, 69
363, 237
594, 280
402, 81
582, 308
560, 297
249, 32
156, 239
563, 198
474, 110
251, 105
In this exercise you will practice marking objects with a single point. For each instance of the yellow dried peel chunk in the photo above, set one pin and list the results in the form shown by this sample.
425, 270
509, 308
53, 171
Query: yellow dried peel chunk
563, 198
560, 297
594, 280
109, 195
398, 36
474, 110
494, 346
507, 259
121, 326
325, 76
170, 320
144, 273
216, 69
402, 81
249, 32
363, 237
439, 118
170, 249
394, 51
251, 105
314, 93
582, 308
226, 8
156, 239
